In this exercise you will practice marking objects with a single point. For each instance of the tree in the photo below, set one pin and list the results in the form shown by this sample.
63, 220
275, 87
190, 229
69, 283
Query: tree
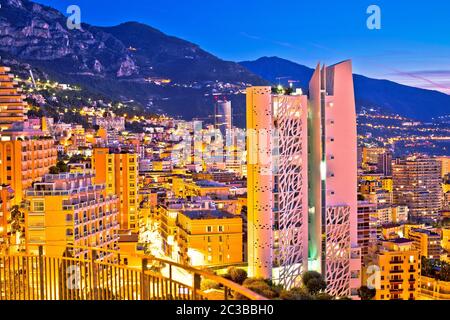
314, 282
323, 296
237, 275
62, 166
54, 170
259, 286
296, 294
366, 294
428, 269
17, 219
444, 274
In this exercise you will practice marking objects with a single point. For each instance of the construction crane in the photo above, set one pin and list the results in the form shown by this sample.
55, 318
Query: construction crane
281, 78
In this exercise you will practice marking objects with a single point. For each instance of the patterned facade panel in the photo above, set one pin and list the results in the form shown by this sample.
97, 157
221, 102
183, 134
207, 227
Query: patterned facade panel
338, 250
291, 189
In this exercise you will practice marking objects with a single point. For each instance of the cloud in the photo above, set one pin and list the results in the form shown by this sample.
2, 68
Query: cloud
426, 73
276, 42
246, 35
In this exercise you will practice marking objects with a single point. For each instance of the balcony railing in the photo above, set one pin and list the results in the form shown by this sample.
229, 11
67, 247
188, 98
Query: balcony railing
104, 277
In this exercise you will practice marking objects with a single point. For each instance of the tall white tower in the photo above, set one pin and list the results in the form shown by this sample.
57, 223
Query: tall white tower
333, 172
277, 185
302, 182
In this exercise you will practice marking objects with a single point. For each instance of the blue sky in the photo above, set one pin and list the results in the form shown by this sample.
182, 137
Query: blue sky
412, 47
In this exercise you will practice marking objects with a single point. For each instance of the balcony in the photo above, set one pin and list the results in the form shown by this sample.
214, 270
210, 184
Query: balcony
396, 290
39, 226
396, 271
396, 261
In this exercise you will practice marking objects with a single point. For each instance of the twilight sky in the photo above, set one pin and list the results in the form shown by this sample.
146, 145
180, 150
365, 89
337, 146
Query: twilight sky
412, 47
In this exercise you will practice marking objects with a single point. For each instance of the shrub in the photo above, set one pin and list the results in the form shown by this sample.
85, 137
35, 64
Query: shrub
314, 282
237, 275
208, 284
261, 287
296, 294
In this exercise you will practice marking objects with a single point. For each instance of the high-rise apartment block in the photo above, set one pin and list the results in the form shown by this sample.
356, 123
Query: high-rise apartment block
417, 184
25, 154
223, 117
25, 159
399, 266
13, 108
367, 228
302, 182
120, 173
69, 212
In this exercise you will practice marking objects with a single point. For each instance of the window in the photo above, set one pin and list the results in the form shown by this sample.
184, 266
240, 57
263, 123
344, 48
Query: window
209, 229
38, 206
221, 228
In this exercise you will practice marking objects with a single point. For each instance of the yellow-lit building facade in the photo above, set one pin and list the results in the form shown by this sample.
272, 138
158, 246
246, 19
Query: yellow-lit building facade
433, 289
6, 200
25, 155
446, 239
445, 165
183, 188
69, 210
13, 107
24, 160
209, 238
400, 270
427, 242
120, 173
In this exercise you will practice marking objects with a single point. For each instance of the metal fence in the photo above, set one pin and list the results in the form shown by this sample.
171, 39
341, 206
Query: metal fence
40, 277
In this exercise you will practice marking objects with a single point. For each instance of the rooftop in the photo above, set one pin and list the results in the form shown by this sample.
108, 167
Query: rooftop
399, 241
208, 214
427, 232
209, 184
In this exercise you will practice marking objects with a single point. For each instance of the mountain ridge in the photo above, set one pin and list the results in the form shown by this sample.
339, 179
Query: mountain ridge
165, 74
385, 94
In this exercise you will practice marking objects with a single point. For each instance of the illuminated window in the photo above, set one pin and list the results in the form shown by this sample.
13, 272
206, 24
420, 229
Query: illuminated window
38, 206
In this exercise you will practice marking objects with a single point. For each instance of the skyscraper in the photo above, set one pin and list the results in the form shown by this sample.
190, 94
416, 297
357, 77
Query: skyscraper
385, 163
333, 179
277, 185
282, 244
223, 117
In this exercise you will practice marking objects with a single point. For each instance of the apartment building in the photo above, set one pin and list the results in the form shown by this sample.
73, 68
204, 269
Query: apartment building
68, 210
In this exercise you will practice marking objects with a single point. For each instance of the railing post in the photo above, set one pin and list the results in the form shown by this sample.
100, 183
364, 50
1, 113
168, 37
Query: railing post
94, 275
144, 282
41, 272
196, 285
170, 282
225, 290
